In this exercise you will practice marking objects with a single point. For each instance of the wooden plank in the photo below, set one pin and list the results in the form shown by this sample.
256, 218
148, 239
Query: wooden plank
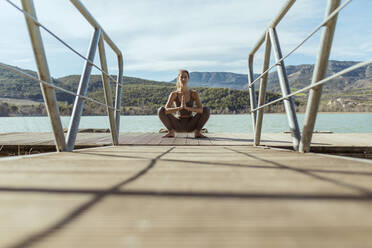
241, 139
220, 139
205, 141
190, 139
90, 138
39, 139
105, 140
137, 138
268, 139
147, 138
44, 139
185, 196
180, 139
231, 139
18, 138
125, 139
167, 141
156, 140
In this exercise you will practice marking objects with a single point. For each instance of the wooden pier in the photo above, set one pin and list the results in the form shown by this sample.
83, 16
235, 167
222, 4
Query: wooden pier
268, 139
185, 192
351, 144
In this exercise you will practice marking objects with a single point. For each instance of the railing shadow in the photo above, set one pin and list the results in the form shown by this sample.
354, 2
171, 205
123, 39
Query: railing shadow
290, 142
216, 138
253, 166
98, 197
99, 194
184, 194
308, 173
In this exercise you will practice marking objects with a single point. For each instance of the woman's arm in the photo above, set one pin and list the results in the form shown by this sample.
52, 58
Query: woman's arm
168, 107
199, 105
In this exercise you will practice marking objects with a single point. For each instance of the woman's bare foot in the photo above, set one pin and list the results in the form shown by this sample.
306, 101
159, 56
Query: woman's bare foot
170, 134
199, 135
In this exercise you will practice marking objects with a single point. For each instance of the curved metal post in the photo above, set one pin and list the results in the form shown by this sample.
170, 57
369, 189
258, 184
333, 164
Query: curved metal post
82, 90
49, 94
284, 85
287, 6
262, 94
318, 74
89, 17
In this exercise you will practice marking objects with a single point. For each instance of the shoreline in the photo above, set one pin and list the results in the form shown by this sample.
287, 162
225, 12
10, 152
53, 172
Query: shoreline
281, 113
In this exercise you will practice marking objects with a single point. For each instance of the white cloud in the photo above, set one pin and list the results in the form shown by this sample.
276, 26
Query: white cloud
24, 60
366, 47
164, 35
170, 64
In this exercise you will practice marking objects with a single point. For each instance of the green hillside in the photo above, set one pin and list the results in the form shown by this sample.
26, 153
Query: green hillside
139, 96
350, 92
145, 97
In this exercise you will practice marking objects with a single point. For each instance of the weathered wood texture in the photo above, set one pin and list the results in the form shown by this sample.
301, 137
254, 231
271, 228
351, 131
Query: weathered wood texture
268, 139
185, 196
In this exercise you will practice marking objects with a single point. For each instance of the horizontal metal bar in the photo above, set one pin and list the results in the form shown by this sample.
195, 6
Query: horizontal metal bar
51, 85
306, 39
62, 41
273, 24
321, 82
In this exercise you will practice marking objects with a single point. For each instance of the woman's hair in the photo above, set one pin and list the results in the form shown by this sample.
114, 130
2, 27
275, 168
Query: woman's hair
179, 78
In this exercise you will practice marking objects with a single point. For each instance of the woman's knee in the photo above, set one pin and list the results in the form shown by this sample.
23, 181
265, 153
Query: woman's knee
206, 111
161, 111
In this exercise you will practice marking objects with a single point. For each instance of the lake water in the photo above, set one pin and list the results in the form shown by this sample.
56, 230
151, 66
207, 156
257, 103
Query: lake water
272, 123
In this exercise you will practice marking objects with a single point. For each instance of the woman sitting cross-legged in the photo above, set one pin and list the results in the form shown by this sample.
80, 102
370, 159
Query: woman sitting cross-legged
184, 99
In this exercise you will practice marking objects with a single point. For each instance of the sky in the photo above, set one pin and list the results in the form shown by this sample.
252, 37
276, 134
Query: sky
159, 37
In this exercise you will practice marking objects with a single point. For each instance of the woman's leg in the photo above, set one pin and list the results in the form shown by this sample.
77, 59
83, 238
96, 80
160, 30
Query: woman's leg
198, 121
203, 119
169, 121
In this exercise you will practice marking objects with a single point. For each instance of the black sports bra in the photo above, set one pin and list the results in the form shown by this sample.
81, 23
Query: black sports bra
190, 104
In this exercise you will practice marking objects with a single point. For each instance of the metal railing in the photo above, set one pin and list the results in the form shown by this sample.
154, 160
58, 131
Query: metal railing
48, 88
301, 142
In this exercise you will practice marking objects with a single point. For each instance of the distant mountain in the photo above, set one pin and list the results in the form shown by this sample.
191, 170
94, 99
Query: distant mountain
217, 80
299, 76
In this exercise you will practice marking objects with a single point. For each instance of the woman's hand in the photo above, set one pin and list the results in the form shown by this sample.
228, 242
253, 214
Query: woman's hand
183, 103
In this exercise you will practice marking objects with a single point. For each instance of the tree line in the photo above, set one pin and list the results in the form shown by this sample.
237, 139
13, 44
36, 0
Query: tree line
139, 97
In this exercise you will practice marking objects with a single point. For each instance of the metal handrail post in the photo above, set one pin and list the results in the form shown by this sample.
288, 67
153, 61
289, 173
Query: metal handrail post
107, 90
318, 74
118, 93
89, 17
262, 92
287, 6
284, 85
82, 90
49, 94
252, 94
